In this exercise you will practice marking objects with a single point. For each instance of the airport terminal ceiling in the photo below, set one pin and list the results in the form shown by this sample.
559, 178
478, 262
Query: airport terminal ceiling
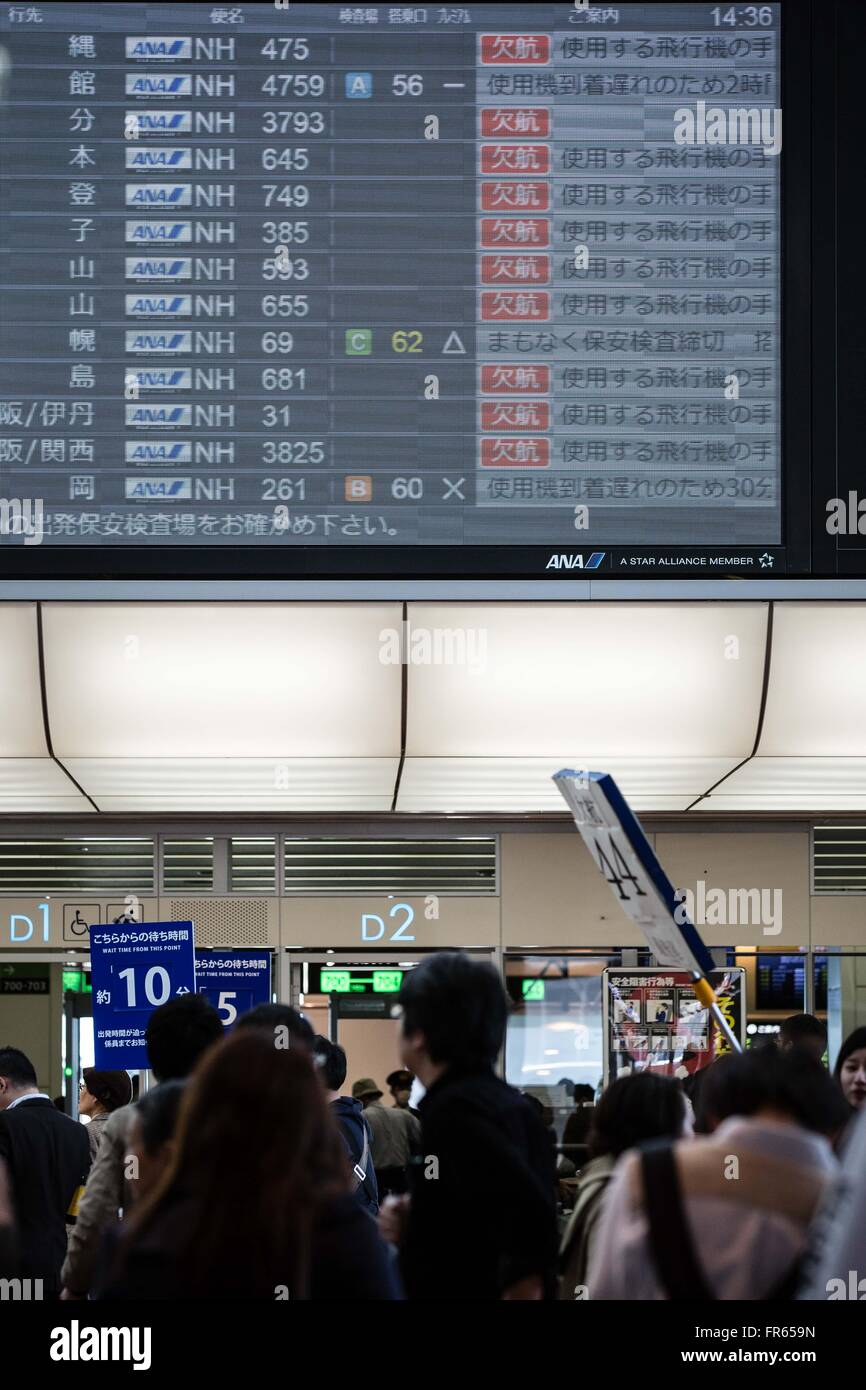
468, 292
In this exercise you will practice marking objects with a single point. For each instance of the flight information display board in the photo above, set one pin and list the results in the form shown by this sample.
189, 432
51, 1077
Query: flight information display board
321, 289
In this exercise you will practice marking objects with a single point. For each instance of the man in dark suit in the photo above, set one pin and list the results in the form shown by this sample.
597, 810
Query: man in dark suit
47, 1156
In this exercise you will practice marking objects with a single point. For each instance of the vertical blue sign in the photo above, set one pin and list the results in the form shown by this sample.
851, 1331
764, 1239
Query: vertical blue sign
233, 981
135, 967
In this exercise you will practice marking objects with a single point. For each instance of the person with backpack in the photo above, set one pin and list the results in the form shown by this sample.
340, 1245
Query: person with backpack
724, 1215
633, 1109
330, 1059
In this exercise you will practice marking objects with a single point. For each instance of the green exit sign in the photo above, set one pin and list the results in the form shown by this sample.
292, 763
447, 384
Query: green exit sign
532, 989
335, 981
77, 982
387, 981
350, 982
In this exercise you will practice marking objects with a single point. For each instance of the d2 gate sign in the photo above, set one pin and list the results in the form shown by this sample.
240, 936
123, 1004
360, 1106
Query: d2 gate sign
134, 969
233, 981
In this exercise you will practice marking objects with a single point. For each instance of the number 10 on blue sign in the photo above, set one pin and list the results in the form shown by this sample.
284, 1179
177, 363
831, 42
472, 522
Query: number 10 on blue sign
135, 967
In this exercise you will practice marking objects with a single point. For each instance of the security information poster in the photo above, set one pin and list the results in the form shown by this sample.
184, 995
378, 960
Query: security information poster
653, 1020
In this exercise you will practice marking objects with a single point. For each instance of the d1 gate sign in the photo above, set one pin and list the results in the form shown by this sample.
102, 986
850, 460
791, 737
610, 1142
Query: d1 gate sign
135, 968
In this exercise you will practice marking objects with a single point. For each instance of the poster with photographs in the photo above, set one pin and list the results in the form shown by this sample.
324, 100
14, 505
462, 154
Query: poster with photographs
653, 1020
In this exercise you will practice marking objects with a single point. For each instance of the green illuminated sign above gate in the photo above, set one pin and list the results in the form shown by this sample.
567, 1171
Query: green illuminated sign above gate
346, 982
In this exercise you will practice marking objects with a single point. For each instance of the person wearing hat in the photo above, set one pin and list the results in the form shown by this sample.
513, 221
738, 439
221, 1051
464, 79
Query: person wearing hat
396, 1134
399, 1083
102, 1092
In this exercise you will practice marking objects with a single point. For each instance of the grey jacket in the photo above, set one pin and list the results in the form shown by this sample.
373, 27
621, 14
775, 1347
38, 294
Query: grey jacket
394, 1134
99, 1207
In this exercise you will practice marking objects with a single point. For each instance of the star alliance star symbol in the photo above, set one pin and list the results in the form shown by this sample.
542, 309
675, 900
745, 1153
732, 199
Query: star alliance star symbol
765, 561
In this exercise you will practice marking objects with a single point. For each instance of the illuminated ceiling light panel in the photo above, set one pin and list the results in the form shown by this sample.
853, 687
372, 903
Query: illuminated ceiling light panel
22, 733
793, 784
524, 784
816, 695
31, 786
638, 679
220, 784
222, 680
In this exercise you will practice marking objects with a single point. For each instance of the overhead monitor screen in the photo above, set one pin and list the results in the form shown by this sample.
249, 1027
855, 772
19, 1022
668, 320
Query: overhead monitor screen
485, 289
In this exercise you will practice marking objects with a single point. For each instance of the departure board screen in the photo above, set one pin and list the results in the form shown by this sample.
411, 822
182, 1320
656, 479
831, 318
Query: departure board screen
482, 289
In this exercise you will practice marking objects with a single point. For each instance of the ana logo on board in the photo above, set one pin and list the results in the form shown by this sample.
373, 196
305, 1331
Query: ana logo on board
561, 561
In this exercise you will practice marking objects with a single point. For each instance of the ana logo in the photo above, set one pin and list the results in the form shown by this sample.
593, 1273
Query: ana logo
157, 270
164, 194
159, 231
153, 158
159, 342
161, 378
153, 84
165, 489
575, 562
148, 451
159, 48
160, 122
166, 305
148, 416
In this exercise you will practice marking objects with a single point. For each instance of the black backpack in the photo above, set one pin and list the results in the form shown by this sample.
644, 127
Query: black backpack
362, 1166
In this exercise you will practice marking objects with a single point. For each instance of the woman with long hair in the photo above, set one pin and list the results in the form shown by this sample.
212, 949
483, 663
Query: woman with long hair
257, 1202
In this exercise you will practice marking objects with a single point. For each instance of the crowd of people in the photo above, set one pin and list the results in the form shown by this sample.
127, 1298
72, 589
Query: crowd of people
247, 1172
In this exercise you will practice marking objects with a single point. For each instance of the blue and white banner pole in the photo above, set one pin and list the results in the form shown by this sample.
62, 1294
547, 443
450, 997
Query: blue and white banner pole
629, 864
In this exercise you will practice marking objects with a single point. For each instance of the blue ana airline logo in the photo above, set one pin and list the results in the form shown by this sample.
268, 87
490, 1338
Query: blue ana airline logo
571, 561
155, 341
158, 48
159, 231
157, 84
149, 416
160, 378
176, 305
177, 195
161, 122
165, 489
157, 451
152, 157
157, 270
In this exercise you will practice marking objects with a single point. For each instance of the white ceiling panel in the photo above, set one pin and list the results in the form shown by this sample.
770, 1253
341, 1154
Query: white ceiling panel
22, 734
237, 784
634, 680
222, 681
792, 784
468, 785
33, 786
816, 697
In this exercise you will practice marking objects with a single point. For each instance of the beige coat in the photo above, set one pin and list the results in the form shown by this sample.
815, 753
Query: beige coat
578, 1238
